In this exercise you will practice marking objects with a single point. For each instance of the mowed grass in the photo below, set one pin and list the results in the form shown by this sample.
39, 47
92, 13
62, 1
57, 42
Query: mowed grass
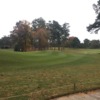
39, 75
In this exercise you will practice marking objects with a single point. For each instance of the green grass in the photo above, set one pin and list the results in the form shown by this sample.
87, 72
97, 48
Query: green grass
38, 75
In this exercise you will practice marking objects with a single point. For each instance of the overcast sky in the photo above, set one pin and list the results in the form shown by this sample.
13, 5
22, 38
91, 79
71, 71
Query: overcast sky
78, 13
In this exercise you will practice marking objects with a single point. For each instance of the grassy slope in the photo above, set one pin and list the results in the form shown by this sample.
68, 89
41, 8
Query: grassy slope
23, 73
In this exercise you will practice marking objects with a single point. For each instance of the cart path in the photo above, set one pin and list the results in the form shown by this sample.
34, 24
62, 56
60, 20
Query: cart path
93, 95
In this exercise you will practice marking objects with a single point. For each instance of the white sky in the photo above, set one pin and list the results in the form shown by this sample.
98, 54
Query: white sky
78, 13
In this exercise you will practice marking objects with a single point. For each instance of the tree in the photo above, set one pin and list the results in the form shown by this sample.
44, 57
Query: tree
6, 42
86, 43
40, 38
58, 33
95, 44
22, 36
38, 23
95, 27
40, 33
65, 33
73, 42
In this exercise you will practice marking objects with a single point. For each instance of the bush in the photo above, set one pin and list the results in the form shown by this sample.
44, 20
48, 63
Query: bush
17, 47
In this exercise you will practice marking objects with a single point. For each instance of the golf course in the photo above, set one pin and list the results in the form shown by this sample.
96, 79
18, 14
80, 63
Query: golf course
41, 75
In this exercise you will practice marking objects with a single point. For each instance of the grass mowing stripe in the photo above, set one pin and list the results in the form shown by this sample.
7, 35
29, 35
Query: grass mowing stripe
26, 72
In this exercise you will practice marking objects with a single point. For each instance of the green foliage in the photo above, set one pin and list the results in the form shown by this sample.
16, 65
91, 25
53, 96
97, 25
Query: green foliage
94, 44
6, 42
18, 47
95, 27
58, 33
38, 23
86, 43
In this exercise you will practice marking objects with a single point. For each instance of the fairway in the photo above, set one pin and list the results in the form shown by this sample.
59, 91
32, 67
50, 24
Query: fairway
38, 75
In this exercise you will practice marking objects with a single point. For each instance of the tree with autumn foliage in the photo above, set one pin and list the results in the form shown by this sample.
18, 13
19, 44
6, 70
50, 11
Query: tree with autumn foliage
22, 36
73, 42
40, 38
40, 33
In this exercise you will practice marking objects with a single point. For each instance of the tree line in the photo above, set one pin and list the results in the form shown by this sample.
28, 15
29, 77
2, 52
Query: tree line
71, 42
39, 35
